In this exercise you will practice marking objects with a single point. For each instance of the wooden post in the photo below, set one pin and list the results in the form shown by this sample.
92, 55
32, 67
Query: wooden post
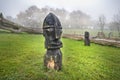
86, 39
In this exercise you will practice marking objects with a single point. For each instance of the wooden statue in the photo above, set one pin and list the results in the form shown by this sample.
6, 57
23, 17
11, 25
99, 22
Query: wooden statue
52, 31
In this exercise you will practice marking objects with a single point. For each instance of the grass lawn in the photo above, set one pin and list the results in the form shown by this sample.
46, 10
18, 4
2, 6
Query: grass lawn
21, 58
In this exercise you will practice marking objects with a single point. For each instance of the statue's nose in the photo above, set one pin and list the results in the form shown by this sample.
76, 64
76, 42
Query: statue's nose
57, 36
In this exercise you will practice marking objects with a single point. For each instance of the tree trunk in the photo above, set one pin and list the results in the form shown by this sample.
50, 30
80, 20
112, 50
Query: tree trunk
15, 28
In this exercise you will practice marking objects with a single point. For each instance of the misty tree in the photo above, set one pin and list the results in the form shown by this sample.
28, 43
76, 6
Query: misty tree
33, 17
111, 26
117, 22
79, 19
10, 18
101, 22
30, 18
111, 29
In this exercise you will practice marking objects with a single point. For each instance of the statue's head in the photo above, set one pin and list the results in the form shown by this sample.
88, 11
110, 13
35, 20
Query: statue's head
52, 27
86, 34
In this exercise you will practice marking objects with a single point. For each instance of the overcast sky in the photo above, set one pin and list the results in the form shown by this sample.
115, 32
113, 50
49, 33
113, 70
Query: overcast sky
94, 8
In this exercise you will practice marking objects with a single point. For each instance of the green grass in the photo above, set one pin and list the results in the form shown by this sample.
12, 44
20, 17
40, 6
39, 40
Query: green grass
21, 58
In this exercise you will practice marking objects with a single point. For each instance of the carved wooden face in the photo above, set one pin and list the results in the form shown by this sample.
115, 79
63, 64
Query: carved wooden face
49, 33
52, 34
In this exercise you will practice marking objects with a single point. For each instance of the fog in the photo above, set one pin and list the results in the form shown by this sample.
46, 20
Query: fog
94, 8
81, 15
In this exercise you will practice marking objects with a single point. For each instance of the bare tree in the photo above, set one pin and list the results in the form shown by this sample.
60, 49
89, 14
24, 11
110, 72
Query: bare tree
117, 22
101, 22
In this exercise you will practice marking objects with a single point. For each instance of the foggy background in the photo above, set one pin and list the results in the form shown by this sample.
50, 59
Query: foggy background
76, 16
